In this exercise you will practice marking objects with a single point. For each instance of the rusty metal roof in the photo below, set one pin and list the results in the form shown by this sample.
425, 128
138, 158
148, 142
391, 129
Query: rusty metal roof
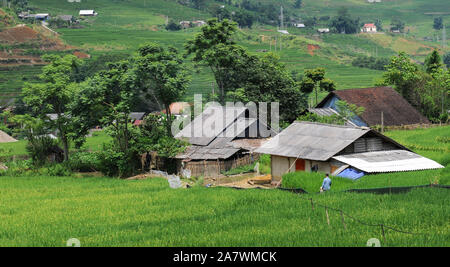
396, 110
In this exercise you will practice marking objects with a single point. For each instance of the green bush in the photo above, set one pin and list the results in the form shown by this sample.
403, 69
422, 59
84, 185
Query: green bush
445, 160
113, 162
18, 168
41, 147
56, 170
84, 162
264, 164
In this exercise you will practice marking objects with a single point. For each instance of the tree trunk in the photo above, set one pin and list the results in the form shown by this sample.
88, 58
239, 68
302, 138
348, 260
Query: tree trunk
66, 148
169, 118
64, 139
315, 89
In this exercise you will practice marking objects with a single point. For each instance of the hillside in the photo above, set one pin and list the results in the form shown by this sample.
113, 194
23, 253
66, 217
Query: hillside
122, 25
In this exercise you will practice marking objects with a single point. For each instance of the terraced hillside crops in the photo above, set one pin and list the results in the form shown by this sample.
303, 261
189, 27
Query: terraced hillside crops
124, 25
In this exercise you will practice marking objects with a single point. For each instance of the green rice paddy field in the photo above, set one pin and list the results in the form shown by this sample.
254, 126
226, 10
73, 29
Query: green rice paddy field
47, 211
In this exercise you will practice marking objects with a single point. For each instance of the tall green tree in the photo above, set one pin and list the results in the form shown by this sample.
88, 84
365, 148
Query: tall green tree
314, 80
397, 24
160, 72
433, 62
344, 23
107, 100
446, 60
214, 47
54, 94
438, 23
265, 79
428, 92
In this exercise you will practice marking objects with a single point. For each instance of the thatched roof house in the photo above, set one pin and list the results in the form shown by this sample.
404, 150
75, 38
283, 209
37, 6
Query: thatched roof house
221, 138
376, 101
309, 146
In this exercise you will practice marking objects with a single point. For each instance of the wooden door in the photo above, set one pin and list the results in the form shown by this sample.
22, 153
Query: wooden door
300, 165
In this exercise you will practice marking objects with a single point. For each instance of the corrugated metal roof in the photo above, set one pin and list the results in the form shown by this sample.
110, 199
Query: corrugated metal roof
86, 12
388, 161
313, 141
323, 111
249, 144
210, 124
329, 112
207, 153
137, 115
66, 17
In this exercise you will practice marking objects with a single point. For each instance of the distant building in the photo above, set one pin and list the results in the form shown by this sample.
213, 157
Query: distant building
66, 18
26, 15
177, 108
339, 150
323, 30
88, 13
299, 25
373, 1
185, 24
188, 24
43, 16
369, 28
221, 138
378, 104
199, 23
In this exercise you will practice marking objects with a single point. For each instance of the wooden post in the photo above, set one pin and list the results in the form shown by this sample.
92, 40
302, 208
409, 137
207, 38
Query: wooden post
312, 204
328, 217
382, 232
382, 122
343, 221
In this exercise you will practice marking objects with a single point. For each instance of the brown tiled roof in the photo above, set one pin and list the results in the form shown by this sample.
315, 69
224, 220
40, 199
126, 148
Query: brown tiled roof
396, 110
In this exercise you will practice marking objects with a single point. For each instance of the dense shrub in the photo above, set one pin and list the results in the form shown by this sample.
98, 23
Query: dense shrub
370, 62
84, 162
41, 147
56, 170
172, 26
113, 162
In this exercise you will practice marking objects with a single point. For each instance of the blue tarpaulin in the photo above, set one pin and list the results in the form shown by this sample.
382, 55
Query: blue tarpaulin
351, 173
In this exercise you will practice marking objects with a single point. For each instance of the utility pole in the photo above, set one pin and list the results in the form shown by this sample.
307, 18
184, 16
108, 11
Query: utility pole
281, 18
444, 36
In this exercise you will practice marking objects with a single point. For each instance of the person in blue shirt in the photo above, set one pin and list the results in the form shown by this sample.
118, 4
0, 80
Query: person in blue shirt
326, 185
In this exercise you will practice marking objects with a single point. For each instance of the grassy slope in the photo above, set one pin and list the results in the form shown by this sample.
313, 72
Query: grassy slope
47, 211
93, 143
124, 25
